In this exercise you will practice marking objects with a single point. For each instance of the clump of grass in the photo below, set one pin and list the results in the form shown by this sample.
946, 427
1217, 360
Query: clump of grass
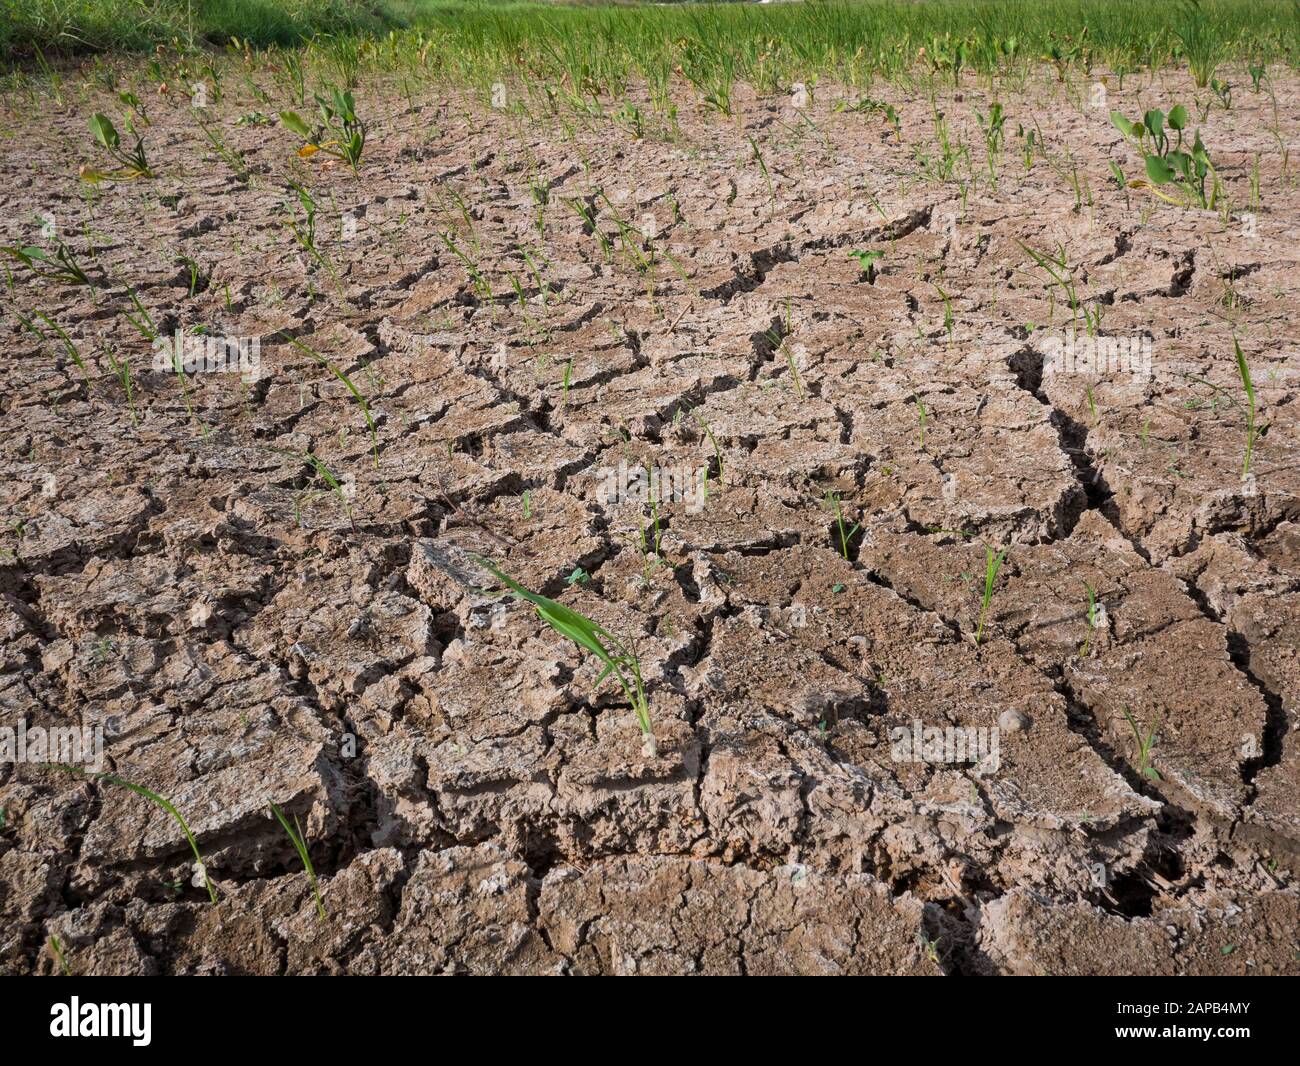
589, 635
1144, 745
1202, 40
992, 564
844, 532
300, 845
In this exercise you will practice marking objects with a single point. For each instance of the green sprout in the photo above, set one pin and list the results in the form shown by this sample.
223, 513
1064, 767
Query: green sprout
1144, 746
1251, 432
131, 164
300, 845
867, 263
596, 639
57, 949
832, 501
921, 415
992, 564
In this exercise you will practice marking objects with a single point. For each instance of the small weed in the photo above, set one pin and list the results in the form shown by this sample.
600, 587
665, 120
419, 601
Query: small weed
131, 164
57, 949
1144, 746
843, 532
300, 845
594, 638
1166, 163
867, 261
346, 132
61, 266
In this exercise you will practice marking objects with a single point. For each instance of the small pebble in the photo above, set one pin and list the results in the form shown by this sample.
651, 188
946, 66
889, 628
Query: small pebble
1013, 721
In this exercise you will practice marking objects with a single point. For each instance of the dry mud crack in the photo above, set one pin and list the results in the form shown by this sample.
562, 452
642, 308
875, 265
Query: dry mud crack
175, 574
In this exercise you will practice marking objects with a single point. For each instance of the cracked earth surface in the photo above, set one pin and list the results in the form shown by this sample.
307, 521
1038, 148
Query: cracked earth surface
473, 802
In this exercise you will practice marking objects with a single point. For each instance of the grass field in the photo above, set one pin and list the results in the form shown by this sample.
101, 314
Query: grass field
756, 43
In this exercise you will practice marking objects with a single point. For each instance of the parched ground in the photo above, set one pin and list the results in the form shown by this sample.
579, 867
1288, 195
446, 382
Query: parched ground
174, 572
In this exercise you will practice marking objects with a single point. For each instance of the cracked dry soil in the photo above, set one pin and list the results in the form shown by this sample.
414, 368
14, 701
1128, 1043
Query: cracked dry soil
184, 581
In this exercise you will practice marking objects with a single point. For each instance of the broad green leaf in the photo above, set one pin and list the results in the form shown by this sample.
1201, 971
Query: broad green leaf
105, 133
1178, 117
1158, 170
292, 121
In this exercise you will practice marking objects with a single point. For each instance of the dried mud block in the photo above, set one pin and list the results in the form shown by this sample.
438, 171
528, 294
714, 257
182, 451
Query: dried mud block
464, 910
1152, 651
360, 902
333, 629
1021, 933
664, 915
221, 767
1178, 479
1255, 588
95, 520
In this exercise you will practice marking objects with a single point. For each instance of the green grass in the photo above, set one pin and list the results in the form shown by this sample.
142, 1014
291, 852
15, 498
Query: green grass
137, 25
992, 564
300, 846
1143, 745
603, 46
589, 635
57, 948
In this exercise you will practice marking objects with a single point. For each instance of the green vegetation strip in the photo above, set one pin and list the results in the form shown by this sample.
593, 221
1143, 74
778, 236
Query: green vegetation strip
764, 45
